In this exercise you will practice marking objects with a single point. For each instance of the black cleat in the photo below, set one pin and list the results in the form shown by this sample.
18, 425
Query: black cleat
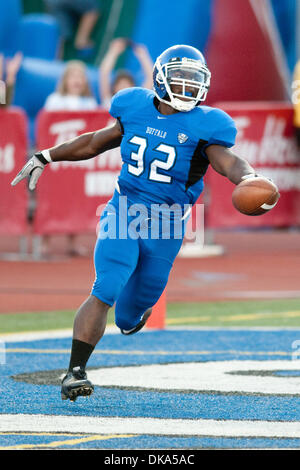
140, 325
75, 384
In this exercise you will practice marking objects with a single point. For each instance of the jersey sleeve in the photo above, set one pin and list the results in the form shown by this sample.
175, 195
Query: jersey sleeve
116, 105
122, 101
225, 130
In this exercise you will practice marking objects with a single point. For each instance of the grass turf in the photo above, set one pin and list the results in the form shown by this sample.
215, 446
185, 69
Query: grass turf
281, 313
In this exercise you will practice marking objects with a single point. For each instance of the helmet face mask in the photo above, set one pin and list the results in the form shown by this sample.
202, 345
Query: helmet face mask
181, 77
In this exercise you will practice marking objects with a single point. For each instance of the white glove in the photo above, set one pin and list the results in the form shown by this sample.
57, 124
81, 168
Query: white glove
33, 168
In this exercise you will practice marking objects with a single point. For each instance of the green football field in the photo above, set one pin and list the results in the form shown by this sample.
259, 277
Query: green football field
280, 313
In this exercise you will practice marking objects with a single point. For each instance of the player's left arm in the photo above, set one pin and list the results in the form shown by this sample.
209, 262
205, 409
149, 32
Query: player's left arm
228, 164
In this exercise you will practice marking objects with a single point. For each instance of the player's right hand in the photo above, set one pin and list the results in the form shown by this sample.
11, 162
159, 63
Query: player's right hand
33, 168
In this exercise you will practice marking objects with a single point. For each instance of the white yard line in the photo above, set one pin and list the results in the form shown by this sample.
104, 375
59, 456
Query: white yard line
259, 294
153, 426
36, 335
51, 334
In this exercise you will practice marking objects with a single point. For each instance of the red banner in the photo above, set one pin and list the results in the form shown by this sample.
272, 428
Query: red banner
266, 139
70, 194
13, 148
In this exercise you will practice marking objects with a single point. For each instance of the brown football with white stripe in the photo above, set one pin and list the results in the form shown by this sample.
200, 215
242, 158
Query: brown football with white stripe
255, 196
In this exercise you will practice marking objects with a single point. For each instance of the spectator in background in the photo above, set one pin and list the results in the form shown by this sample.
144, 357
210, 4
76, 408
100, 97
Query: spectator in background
73, 94
8, 75
68, 12
296, 101
73, 91
123, 78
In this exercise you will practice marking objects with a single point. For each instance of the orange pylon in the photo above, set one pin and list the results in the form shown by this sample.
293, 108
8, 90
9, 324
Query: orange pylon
157, 318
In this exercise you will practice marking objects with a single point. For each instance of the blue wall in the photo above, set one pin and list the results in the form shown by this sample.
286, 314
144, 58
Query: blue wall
10, 15
161, 24
285, 12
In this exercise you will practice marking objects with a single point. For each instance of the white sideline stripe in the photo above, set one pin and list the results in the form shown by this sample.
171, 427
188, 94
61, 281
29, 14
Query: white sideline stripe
232, 328
154, 426
36, 335
272, 294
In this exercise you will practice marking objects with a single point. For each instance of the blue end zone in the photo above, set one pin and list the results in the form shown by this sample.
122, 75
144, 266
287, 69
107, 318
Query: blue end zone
21, 394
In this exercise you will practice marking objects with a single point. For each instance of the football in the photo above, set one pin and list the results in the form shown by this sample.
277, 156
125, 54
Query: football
255, 196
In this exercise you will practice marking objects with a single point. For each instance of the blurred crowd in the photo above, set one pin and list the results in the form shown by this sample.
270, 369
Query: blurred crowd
73, 92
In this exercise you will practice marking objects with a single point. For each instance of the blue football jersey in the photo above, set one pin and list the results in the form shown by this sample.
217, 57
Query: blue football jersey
163, 156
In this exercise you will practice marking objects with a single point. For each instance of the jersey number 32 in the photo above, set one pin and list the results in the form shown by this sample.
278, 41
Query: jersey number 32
156, 164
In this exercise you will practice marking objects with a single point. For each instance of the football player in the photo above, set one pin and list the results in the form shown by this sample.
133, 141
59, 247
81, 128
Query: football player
168, 139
